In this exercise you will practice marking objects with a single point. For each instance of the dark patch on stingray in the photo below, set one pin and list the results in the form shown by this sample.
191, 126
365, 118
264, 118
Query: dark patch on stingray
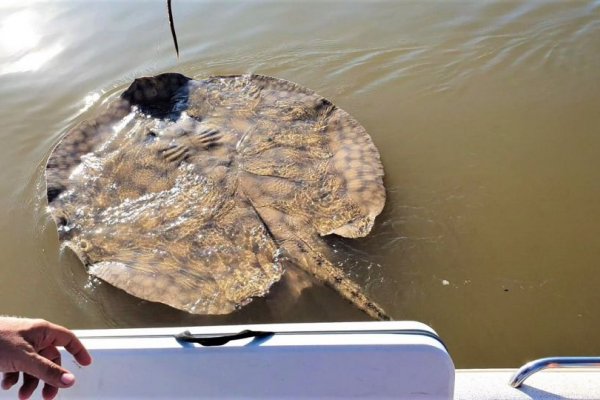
164, 96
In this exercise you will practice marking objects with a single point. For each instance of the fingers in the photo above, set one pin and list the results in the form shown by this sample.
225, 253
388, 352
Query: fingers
51, 353
9, 380
49, 392
47, 334
46, 370
29, 384
36, 355
64, 337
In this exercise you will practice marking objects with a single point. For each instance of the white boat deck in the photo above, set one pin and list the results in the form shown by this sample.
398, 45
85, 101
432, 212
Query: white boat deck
552, 384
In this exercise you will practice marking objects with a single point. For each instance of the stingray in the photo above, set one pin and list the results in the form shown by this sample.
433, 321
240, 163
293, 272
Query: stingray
200, 194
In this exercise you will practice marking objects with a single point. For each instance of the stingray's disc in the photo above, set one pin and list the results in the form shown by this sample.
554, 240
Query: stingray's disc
195, 193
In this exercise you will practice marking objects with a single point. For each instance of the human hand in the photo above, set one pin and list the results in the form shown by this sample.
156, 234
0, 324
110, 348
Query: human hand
28, 346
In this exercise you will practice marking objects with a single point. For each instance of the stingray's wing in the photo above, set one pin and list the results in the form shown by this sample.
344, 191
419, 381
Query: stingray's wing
161, 229
149, 94
210, 269
356, 167
83, 139
307, 156
312, 159
310, 169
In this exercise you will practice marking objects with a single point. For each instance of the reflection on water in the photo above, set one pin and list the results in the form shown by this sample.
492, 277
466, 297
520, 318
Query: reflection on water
20, 35
485, 114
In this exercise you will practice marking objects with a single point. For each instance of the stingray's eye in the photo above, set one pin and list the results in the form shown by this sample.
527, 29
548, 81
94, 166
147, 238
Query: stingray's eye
54, 190
323, 105
85, 245
60, 218
150, 136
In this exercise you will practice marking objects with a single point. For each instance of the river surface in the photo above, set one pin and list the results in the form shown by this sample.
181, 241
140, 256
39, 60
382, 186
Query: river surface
486, 114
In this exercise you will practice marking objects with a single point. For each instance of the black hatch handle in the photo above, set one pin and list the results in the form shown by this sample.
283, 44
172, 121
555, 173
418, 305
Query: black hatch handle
220, 340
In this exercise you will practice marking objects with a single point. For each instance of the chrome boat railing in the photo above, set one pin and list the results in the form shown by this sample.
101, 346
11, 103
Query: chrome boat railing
551, 362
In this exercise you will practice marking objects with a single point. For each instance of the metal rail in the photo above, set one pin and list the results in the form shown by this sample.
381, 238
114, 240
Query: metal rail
551, 362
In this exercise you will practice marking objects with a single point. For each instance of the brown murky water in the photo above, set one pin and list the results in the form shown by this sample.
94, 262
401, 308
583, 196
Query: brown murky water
486, 114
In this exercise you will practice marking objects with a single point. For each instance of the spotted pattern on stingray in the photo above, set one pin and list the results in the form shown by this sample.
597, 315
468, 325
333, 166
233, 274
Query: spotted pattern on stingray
199, 193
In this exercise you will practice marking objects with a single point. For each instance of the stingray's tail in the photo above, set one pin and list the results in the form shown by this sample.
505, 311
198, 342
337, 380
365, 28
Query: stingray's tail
316, 264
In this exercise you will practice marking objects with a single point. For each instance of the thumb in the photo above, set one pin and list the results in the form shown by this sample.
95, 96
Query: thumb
49, 372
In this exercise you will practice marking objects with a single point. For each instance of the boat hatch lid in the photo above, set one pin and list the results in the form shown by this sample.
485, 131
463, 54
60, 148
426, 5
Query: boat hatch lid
391, 359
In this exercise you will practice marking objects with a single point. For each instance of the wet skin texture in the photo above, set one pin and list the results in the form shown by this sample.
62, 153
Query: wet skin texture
200, 194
